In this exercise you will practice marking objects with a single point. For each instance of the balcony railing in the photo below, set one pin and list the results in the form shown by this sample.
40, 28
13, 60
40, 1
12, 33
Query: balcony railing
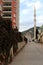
5, 15
9, 17
7, 6
7, 11
7, 0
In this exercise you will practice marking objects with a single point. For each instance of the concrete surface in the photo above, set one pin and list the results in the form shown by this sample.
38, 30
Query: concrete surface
21, 44
31, 54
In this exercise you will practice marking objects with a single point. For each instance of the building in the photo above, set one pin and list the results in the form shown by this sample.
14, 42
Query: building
10, 10
0, 6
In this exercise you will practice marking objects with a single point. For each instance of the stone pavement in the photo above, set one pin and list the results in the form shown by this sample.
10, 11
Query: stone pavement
31, 54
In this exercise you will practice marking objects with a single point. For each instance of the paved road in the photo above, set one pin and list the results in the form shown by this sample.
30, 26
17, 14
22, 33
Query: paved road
32, 54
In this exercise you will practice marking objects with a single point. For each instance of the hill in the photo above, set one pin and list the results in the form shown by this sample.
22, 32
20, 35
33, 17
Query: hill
30, 30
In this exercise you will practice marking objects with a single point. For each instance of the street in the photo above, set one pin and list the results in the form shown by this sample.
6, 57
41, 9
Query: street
31, 54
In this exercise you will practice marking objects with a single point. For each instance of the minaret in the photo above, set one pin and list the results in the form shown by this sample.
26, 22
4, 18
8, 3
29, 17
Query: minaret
34, 23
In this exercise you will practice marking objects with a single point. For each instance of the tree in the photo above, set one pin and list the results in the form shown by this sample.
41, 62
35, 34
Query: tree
41, 26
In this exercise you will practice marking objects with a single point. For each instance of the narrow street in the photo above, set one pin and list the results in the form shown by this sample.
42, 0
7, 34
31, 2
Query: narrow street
31, 54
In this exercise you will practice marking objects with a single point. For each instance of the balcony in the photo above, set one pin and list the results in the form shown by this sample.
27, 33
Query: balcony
9, 17
7, 11
7, 0
7, 6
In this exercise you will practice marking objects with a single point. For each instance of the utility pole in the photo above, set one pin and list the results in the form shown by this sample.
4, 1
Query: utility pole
34, 23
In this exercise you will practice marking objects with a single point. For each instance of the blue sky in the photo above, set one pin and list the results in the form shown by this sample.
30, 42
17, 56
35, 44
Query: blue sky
26, 15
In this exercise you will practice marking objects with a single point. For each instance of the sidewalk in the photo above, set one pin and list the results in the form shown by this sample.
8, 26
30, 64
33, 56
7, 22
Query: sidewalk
31, 54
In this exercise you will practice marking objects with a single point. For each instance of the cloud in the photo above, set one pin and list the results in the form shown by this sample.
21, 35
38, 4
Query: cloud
22, 28
27, 13
26, 24
39, 20
37, 4
22, 1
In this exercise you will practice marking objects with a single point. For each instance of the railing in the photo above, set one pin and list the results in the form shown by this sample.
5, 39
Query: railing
7, 11
6, 17
7, 6
7, 0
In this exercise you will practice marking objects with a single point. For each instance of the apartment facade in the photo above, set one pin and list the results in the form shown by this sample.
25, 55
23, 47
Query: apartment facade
10, 10
0, 6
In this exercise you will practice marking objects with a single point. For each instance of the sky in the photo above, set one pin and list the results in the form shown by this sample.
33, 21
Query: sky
26, 15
